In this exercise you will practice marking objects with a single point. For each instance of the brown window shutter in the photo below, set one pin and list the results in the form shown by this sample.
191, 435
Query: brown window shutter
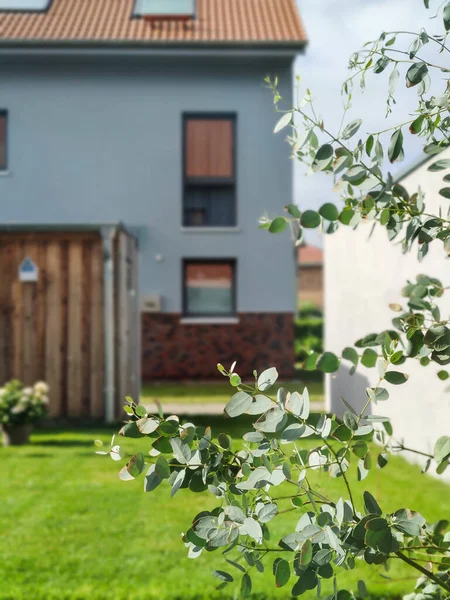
209, 148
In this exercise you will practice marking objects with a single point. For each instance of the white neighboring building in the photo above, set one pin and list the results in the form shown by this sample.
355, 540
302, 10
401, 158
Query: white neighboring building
362, 277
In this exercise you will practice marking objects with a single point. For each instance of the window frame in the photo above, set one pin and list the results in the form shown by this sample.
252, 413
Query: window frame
163, 17
209, 261
5, 114
230, 182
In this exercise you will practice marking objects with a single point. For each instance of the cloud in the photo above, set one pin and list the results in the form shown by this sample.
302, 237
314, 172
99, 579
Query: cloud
335, 29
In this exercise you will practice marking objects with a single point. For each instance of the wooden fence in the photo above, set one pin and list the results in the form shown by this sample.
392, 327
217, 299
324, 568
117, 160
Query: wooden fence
52, 329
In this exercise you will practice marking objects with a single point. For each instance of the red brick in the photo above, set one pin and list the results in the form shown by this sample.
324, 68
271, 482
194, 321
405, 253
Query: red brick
171, 350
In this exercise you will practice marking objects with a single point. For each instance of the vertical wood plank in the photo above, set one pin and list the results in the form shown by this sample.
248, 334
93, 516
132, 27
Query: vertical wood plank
41, 285
29, 333
6, 310
29, 294
54, 328
86, 290
74, 310
97, 333
122, 322
17, 336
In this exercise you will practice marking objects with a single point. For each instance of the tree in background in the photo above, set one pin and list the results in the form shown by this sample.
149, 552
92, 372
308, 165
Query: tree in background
329, 534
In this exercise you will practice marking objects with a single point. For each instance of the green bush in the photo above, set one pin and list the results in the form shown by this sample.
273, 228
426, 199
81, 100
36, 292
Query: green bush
308, 332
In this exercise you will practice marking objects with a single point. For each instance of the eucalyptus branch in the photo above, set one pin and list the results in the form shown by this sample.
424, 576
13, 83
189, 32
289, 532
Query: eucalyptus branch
429, 574
404, 448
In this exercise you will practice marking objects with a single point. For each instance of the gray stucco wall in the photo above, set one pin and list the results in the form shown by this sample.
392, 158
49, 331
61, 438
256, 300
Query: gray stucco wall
101, 141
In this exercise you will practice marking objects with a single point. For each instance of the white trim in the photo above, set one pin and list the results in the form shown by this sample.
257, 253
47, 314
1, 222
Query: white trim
210, 229
209, 320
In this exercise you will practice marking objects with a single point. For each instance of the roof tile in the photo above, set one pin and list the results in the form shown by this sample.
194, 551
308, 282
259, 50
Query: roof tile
217, 21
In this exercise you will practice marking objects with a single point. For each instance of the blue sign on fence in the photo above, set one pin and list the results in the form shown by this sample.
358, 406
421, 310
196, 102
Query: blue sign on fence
28, 271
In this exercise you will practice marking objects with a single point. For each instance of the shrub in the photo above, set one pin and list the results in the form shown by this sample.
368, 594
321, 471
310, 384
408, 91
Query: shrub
20, 405
331, 533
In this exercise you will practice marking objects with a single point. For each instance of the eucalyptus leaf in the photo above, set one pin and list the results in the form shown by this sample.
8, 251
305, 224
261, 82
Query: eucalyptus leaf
283, 122
351, 129
267, 379
310, 219
239, 404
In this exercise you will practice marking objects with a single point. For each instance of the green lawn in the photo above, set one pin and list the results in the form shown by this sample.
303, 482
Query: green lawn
70, 530
208, 393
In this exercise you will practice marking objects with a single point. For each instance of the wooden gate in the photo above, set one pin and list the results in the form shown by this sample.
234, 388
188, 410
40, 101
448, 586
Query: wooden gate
53, 329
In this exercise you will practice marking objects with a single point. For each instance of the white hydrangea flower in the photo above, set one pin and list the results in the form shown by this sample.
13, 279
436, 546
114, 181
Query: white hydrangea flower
2, 391
18, 409
44, 399
28, 391
41, 387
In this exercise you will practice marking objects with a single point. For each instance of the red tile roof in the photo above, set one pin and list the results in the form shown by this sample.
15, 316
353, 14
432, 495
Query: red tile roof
217, 22
310, 256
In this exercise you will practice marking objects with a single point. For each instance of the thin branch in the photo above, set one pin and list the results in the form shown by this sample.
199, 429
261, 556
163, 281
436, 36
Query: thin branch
402, 447
424, 571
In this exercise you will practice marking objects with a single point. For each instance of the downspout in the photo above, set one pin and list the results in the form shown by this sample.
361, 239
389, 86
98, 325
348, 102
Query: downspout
108, 234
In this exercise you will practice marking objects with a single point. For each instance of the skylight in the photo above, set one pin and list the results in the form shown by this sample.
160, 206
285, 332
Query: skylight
165, 9
25, 5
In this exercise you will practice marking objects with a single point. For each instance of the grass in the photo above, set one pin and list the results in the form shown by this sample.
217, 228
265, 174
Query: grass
70, 530
210, 393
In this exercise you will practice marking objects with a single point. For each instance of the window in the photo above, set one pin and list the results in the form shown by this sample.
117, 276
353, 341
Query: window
165, 9
209, 171
25, 5
3, 140
209, 288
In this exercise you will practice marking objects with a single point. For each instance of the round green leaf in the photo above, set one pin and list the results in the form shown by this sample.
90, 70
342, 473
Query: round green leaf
395, 377
360, 448
329, 212
235, 380
328, 362
278, 225
369, 358
239, 403
310, 219
310, 362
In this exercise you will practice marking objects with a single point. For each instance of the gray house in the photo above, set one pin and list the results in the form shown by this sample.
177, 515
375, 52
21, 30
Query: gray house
136, 156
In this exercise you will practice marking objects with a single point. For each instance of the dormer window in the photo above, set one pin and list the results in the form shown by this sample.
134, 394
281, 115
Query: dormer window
165, 10
25, 5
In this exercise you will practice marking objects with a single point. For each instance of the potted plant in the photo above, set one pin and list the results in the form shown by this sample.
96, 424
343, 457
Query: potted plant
20, 408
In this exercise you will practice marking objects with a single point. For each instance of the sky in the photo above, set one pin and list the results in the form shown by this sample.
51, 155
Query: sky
335, 29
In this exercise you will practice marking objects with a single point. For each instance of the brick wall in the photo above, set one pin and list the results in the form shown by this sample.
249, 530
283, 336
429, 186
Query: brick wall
171, 350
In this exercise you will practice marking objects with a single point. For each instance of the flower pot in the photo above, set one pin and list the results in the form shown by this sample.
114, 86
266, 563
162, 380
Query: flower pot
16, 435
